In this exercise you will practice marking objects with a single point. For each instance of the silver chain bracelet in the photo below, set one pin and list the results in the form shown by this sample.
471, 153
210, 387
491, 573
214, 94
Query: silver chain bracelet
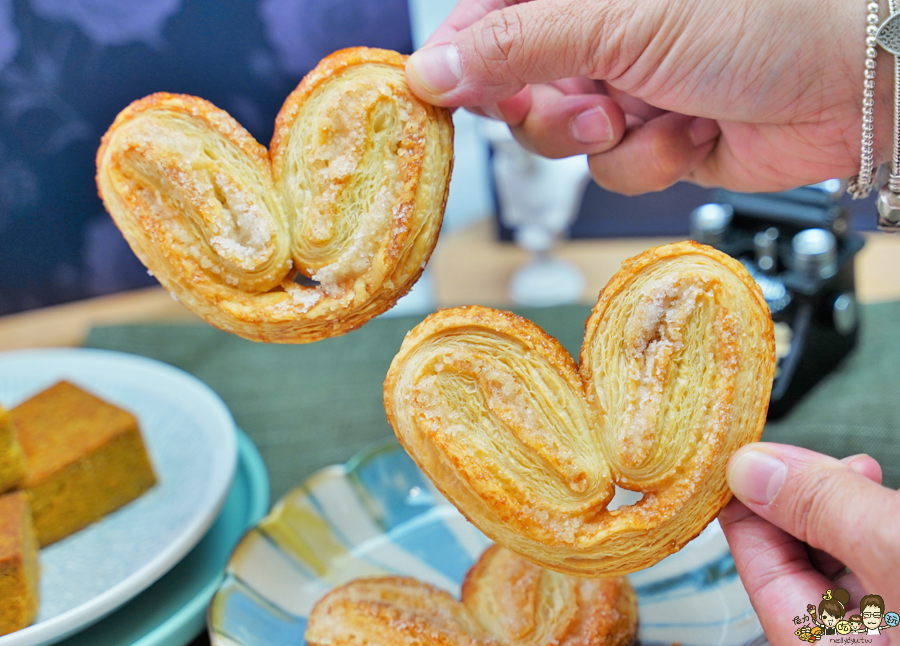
888, 37
861, 185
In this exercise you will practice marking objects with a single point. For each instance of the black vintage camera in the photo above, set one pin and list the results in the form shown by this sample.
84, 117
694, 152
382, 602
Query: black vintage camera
799, 247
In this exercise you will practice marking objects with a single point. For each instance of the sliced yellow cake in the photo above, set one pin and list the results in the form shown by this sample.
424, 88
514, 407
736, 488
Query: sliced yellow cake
18, 563
12, 460
85, 458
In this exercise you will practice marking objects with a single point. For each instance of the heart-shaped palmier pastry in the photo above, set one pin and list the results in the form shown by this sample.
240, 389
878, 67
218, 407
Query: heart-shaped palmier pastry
351, 195
505, 600
675, 375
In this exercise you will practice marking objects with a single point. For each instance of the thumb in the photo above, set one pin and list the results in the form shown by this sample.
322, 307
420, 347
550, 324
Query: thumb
829, 504
533, 42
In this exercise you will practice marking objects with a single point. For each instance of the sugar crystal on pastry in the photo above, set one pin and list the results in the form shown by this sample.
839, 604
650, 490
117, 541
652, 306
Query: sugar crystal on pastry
358, 255
658, 323
303, 297
246, 233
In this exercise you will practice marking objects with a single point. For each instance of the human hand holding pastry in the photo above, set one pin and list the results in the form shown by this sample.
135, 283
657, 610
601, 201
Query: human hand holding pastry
351, 195
751, 95
801, 523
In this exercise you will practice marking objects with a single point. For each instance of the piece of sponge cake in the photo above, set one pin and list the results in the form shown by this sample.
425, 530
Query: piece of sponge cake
85, 458
18, 563
12, 460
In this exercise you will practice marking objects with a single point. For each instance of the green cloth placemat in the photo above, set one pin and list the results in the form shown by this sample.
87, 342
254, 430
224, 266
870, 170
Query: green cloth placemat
309, 406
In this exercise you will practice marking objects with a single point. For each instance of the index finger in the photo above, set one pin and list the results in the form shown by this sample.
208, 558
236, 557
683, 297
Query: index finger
464, 14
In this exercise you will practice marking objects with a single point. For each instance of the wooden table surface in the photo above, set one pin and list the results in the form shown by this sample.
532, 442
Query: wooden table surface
468, 267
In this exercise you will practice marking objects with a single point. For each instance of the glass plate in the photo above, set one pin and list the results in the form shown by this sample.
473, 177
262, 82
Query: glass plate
379, 515
190, 436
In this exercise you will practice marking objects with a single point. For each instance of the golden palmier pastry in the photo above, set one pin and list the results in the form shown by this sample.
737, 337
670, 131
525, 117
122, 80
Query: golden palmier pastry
675, 374
351, 195
522, 603
399, 611
505, 600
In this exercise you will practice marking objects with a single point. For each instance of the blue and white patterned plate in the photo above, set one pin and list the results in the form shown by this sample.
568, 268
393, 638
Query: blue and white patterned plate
379, 515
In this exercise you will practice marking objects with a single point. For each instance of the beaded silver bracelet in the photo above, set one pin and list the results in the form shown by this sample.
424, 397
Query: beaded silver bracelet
887, 35
860, 185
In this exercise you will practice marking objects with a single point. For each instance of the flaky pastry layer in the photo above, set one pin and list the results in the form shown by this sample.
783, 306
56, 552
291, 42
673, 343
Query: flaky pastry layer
675, 374
505, 600
351, 195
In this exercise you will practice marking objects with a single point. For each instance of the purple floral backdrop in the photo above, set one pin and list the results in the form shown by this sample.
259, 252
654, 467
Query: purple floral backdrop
67, 67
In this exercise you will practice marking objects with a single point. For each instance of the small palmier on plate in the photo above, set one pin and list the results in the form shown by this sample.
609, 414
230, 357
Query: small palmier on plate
505, 600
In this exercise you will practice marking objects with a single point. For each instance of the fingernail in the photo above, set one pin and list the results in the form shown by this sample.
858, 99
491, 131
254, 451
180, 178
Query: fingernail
853, 458
757, 477
492, 111
437, 68
592, 126
857, 462
703, 131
